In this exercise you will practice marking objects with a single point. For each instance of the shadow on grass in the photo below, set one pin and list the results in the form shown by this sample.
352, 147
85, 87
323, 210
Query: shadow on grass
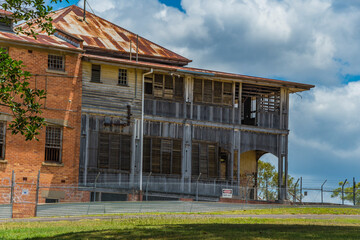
219, 231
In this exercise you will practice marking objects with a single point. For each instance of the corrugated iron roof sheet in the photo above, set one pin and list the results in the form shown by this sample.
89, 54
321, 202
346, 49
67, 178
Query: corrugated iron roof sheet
255, 80
100, 33
3, 12
41, 39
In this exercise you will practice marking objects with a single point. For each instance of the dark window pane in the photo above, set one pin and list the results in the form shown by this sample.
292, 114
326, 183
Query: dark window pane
95, 73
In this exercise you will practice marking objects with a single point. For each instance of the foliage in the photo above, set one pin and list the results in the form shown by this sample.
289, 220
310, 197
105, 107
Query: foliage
268, 177
348, 192
33, 12
16, 93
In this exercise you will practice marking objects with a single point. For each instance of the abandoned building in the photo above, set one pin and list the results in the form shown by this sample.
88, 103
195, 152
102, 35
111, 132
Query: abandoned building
140, 119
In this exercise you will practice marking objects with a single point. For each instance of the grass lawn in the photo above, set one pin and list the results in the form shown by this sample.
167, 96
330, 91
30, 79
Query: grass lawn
184, 227
296, 210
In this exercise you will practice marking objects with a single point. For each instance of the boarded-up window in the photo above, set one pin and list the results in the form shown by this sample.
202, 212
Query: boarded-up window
53, 142
227, 94
114, 151
198, 90
162, 155
169, 87
179, 88
204, 160
2, 139
216, 92
158, 85
95, 73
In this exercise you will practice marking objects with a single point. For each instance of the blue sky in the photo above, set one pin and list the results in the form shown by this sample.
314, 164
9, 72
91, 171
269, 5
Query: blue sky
309, 41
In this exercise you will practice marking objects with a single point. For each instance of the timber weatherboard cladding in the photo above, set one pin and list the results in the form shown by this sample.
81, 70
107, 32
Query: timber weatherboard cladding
107, 97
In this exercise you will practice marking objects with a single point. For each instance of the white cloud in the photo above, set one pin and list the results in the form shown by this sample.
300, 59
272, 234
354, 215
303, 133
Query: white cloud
300, 40
312, 41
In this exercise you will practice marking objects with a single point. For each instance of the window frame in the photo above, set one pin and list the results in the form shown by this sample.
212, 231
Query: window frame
92, 73
161, 90
199, 94
56, 69
120, 159
3, 134
161, 150
60, 147
121, 81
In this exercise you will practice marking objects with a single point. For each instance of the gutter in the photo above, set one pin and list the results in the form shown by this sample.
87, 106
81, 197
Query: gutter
142, 127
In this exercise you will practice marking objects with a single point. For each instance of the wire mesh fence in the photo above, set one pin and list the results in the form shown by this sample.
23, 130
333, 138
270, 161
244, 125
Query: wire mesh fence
32, 197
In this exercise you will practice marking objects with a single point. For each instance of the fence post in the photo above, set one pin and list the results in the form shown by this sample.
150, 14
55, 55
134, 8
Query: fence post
354, 191
342, 191
322, 192
94, 193
295, 189
197, 188
37, 193
266, 186
301, 190
12, 192
147, 186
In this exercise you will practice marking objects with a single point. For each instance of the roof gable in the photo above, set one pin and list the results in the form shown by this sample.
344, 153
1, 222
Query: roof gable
101, 34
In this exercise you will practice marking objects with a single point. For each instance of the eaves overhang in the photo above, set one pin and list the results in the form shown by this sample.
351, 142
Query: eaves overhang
294, 86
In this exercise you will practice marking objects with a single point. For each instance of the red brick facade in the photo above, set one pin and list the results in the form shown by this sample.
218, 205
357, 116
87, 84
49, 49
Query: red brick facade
61, 108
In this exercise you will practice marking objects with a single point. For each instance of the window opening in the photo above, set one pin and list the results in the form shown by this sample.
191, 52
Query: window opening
123, 79
162, 155
95, 73
2, 139
114, 151
56, 62
53, 144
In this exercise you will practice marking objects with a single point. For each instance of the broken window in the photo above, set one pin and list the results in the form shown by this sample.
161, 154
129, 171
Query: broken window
165, 86
95, 73
123, 78
2, 139
114, 151
53, 144
148, 85
204, 160
162, 155
257, 99
56, 62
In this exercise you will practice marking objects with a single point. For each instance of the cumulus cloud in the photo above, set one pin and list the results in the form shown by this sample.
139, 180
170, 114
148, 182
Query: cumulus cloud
311, 41
325, 130
314, 41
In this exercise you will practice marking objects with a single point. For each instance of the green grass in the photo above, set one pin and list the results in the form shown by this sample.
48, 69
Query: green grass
184, 227
294, 211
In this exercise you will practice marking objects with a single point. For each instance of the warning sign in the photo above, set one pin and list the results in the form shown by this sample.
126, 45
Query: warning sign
227, 193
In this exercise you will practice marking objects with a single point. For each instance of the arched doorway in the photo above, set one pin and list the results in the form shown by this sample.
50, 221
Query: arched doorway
248, 175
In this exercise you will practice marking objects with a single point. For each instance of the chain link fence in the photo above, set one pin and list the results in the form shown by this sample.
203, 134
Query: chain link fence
27, 197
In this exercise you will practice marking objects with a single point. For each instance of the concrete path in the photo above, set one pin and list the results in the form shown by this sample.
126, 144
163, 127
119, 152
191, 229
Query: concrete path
267, 216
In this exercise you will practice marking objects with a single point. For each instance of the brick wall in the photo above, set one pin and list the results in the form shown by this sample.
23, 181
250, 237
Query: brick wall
62, 106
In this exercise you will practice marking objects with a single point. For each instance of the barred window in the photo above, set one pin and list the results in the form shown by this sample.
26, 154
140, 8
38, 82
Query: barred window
56, 62
123, 77
53, 144
2, 139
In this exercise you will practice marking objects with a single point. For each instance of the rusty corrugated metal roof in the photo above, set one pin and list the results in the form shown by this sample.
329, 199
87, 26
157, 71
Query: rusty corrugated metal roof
256, 80
41, 39
3, 12
102, 34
